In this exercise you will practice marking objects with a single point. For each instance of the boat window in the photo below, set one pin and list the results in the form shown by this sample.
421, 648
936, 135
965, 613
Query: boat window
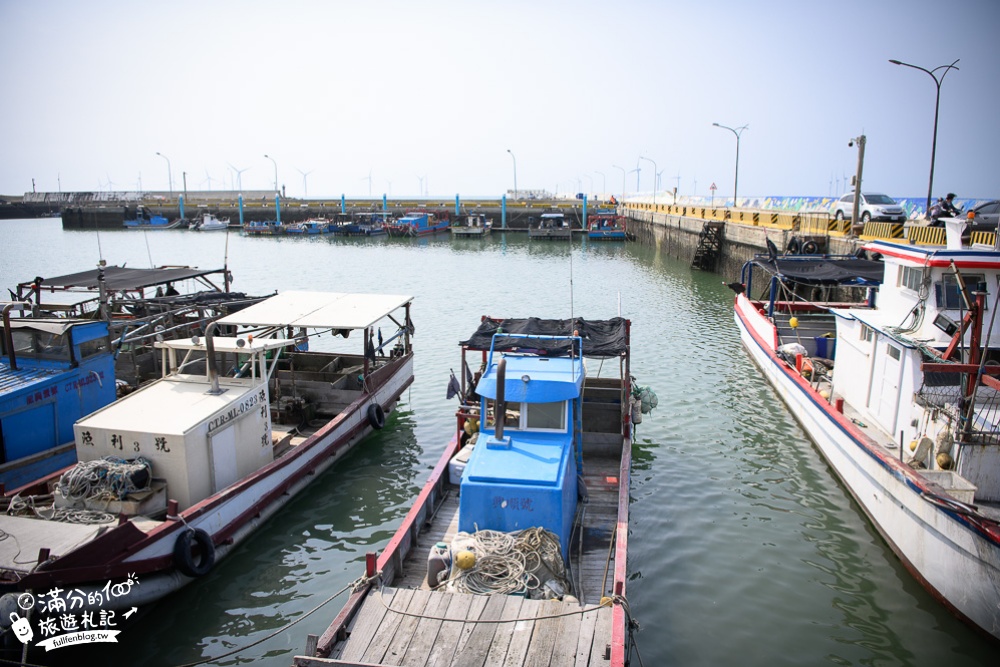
911, 277
948, 295
893, 352
547, 416
41, 345
93, 347
513, 412
866, 333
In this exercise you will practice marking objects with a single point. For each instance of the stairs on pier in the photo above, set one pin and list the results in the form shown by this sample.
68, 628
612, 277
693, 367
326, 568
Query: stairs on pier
709, 246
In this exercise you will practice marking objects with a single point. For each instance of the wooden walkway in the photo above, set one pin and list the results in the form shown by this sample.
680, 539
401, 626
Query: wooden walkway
405, 624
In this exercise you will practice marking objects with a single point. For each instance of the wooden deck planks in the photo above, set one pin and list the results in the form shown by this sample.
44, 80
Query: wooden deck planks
362, 628
505, 631
427, 629
602, 637
450, 631
404, 634
477, 646
543, 636
383, 635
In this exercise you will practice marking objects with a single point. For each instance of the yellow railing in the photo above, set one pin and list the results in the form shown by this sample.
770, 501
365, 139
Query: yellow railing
926, 235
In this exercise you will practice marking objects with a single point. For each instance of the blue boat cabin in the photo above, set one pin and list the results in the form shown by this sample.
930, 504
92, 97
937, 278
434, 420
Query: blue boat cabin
52, 373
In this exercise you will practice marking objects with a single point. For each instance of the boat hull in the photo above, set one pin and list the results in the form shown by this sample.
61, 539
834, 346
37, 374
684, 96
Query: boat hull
954, 555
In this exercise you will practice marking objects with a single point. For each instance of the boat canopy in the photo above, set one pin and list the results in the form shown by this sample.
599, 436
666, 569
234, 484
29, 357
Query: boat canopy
319, 310
601, 338
825, 270
119, 278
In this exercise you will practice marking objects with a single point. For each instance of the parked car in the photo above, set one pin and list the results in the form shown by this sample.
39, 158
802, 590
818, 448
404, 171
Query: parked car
985, 216
874, 206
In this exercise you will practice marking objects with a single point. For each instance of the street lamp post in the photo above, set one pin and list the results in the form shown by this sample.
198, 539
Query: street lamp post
515, 172
737, 131
275, 171
623, 179
654, 176
170, 178
937, 104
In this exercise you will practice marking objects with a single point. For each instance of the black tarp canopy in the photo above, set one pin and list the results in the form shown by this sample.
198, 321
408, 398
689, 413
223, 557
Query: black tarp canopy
601, 338
119, 278
825, 271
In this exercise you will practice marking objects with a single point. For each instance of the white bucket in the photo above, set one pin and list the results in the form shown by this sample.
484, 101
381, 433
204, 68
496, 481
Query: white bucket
953, 228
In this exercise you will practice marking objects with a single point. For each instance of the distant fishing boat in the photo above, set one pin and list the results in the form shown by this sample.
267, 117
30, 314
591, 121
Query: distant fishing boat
900, 393
236, 427
209, 223
515, 551
310, 226
150, 221
551, 226
604, 226
472, 224
417, 224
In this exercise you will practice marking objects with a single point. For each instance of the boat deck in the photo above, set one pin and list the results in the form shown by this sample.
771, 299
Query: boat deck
405, 623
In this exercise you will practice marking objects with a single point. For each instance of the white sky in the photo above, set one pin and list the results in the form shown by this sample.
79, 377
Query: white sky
440, 90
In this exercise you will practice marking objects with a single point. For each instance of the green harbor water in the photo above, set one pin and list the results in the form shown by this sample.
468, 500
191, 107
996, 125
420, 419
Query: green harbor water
744, 549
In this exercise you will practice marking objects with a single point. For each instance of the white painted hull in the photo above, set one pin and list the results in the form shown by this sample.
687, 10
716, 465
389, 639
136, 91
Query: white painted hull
955, 557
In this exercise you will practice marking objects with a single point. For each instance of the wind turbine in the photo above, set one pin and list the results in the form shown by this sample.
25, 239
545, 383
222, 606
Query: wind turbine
421, 179
305, 186
239, 176
369, 179
638, 170
208, 179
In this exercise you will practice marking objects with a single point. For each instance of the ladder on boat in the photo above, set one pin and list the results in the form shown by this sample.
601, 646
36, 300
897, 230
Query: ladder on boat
709, 246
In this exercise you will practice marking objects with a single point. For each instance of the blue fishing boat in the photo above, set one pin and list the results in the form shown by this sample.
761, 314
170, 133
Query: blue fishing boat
368, 223
521, 532
150, 221
310, 226
605, 226
52, 373
262, 228
418, 224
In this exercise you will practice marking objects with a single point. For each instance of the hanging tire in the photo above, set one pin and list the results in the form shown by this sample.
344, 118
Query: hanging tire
376, 417
794, 246
185, 560
809, 248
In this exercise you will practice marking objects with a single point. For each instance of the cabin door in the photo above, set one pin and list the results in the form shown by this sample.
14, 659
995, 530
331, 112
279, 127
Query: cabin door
884, 400
222, 448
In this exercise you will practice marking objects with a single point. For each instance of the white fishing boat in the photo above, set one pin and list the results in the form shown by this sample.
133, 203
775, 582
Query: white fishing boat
515, 551
209, 223
900, 391
243, 419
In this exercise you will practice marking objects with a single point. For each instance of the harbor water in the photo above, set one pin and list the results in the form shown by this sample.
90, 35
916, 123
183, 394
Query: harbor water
744, 549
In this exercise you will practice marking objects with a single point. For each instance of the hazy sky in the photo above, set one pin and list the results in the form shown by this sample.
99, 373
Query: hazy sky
429, 96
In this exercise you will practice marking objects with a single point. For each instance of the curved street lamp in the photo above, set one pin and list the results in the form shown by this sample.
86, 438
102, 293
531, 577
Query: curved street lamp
275, 172
737, 131
654, 176
623, 179
515, 172
937, 104
170, 178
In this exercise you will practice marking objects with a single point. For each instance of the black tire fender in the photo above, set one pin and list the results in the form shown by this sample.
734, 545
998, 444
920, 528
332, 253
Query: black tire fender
376, 416
185, 560
794, 246
809, 248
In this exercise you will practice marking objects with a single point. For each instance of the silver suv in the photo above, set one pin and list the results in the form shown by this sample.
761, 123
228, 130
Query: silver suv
873, 206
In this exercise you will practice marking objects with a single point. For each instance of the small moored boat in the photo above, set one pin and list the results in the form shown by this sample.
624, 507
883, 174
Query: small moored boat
551, 226
473, 224
209, 223
417, 223
606, 227
520, 534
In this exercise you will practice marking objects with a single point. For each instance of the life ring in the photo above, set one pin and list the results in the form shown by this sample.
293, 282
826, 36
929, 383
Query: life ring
810, 247
794, 246
185, 560
376, 417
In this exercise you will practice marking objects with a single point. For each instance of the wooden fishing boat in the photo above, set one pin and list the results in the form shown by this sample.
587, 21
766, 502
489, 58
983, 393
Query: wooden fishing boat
900, 393
52, 373
214, 454
550, 476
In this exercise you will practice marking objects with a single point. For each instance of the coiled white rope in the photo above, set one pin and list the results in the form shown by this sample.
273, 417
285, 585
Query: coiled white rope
510, 563
110, 478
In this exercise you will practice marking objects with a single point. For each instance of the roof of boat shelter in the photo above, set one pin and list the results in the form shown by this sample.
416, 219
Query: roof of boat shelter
336, 310
120, 278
